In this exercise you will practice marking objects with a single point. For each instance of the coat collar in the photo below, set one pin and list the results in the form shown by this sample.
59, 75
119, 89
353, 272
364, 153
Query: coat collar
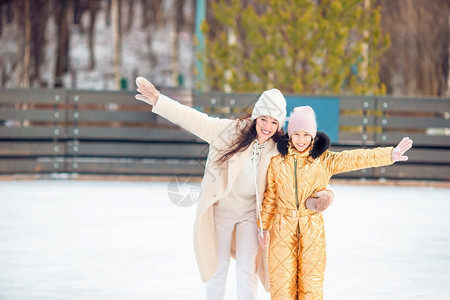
292, 151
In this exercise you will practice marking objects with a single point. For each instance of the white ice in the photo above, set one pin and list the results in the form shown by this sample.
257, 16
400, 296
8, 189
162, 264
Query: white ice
68, 239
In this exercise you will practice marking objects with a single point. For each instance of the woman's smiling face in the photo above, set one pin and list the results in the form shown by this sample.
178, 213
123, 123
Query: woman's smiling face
301, 140
266, 127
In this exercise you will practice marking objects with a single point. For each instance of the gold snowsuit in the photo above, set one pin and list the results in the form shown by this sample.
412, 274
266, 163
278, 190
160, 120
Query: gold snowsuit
297, 237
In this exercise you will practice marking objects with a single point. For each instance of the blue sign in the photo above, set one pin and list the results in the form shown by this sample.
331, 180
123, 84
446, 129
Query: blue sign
326, 109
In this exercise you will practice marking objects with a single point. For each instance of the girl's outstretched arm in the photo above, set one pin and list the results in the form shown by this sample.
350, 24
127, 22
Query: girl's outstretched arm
346, 161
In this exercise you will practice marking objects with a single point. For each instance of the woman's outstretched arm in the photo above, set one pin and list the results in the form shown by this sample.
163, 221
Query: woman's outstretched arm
200, 124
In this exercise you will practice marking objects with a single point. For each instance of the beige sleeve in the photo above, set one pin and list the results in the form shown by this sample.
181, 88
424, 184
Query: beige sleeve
200, 124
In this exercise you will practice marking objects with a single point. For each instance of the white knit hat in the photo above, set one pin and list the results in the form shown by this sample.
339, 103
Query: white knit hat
271, 103
303, 119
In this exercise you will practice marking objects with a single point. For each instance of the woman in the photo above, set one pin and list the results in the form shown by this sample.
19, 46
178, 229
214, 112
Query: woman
297, 245
234, 181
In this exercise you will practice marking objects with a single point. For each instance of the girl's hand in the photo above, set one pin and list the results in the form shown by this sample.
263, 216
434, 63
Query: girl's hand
264, 239
148, 93
404, 145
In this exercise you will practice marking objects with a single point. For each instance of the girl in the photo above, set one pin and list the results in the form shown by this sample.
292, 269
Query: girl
297, 237
235, 178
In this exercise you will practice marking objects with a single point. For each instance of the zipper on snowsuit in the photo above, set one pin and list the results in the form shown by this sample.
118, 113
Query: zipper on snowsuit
296, 193
295, 176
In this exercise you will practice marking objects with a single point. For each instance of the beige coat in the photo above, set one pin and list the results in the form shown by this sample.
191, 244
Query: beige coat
217, 180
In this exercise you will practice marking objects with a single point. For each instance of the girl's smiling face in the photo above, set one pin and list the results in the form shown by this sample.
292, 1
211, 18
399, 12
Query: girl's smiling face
301, 140
266, 127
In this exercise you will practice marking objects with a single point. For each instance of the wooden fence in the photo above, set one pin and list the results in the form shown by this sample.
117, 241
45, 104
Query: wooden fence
110, 133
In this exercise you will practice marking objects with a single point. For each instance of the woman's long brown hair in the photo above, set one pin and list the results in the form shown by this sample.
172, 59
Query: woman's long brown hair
247, 135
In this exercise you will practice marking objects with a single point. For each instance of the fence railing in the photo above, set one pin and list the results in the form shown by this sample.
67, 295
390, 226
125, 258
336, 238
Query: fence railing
110, 133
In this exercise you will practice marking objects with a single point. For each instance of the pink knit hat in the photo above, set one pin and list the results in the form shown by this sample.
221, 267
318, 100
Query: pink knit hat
303, 118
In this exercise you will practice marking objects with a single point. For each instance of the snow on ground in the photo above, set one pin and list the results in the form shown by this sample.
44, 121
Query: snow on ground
66, 239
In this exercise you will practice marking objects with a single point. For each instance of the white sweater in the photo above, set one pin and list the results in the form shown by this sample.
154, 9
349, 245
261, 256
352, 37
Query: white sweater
242, 196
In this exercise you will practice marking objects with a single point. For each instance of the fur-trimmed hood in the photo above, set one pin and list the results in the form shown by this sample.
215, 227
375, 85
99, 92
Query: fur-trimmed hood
320, 144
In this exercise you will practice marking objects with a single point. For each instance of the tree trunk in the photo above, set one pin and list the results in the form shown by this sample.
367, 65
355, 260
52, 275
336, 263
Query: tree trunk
108, 12
62, 50
116, 37
9, 12
365, 45
144, 10
130, 17
27, 47
1, 16
151, 15
447, 67
39, 17
417, 61
157, 14
17, 12
91, 31
179, 21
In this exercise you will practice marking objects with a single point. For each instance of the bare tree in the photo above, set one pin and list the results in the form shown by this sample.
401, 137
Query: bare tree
179, 22
116, 38
62, 9
417, 61
39, 19
152, 15
25, 82
151, 12
91, 8
446, 65
130, 16
108, 12
1, 16
93, 11
19, 32
92, 19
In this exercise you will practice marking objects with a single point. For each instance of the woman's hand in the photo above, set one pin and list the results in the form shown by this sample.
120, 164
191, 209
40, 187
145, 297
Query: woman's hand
148, 93
404, 145
264, 239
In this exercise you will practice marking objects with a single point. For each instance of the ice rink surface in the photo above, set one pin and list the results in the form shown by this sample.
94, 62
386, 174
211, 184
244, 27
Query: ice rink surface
93, 240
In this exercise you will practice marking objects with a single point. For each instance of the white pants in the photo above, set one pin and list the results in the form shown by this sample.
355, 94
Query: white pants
246, 250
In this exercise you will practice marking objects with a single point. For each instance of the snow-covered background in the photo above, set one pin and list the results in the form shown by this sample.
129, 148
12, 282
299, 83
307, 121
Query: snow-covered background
68, 239
138, 46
